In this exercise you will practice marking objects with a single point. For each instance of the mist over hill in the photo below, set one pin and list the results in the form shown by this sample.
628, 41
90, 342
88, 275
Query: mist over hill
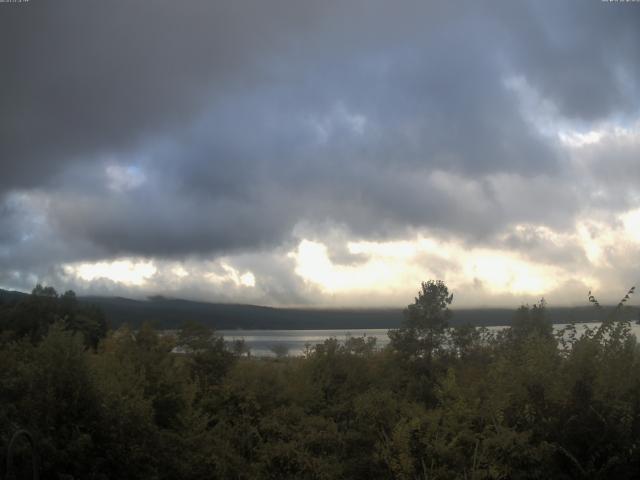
167, 313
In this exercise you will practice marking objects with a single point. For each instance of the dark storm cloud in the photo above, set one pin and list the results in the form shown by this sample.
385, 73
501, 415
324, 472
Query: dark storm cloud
582, 56
238, 120
84, 77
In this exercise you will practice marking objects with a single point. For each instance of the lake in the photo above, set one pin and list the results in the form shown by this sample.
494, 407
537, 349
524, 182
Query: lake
261, 342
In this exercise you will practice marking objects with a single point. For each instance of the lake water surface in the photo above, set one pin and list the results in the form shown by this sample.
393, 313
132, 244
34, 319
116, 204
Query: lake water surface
262, 342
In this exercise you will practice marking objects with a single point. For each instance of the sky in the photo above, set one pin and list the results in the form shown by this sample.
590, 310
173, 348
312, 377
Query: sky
329, 153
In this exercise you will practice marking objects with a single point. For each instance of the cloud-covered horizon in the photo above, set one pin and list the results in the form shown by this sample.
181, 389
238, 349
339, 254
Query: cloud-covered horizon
323, 153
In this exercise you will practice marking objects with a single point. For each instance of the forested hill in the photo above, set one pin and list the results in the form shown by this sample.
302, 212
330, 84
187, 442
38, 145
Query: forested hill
171, 313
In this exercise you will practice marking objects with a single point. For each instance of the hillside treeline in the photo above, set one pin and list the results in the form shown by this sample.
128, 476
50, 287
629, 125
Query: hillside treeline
437, 403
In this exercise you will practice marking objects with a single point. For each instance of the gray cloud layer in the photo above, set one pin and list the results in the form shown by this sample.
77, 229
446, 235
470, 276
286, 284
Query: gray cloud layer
173, 129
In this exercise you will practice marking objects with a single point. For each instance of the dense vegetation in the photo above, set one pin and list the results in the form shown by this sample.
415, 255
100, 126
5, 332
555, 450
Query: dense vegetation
437, 403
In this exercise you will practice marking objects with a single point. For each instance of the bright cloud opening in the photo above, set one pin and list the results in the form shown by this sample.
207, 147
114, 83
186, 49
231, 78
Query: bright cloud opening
399, 266
504, 273
128, 272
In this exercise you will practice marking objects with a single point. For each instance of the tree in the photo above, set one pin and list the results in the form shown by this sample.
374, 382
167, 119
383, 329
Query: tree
206, 353
532, 320
40, 291
426, 320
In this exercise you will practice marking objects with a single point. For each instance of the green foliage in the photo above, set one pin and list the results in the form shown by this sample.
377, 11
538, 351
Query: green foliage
438, 403
208, 357
531, 321
426, 320
31, 316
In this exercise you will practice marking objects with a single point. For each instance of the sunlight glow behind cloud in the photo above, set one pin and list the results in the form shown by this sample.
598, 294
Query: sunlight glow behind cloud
126, 271
393, 266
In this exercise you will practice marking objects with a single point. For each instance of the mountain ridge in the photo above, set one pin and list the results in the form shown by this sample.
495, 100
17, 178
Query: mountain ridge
171, 313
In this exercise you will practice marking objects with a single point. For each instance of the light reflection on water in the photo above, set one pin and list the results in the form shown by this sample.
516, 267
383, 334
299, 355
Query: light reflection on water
262, 342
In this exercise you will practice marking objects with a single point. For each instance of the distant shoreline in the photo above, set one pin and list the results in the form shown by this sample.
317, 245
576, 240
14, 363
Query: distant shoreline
166, 314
